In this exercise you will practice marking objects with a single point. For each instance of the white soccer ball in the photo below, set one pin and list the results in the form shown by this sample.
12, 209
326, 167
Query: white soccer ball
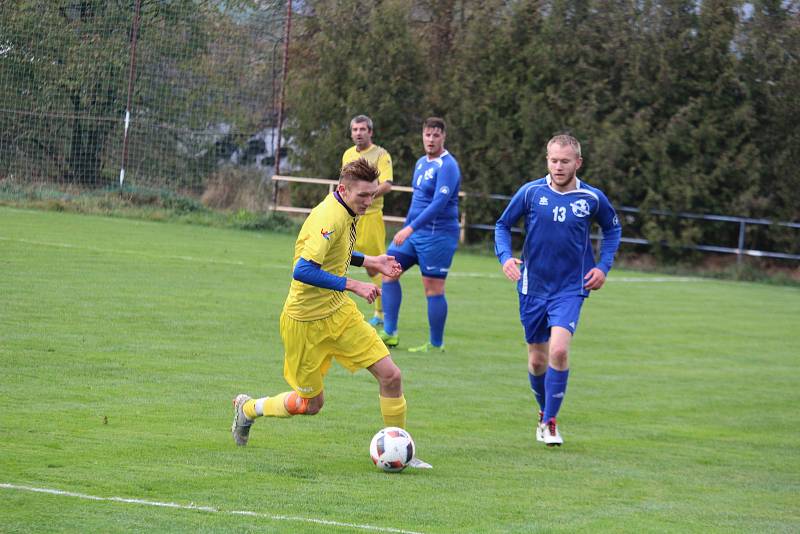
391, 449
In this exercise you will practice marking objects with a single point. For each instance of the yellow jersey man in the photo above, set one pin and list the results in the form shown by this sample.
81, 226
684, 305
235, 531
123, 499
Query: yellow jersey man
370, 231
320, 322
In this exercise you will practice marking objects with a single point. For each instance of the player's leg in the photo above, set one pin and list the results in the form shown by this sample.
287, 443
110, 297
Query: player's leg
359, 346
437, 314
435, 258
537, 369
305, 364
555, 383
563, 319
406, 256
533, 316
390, 388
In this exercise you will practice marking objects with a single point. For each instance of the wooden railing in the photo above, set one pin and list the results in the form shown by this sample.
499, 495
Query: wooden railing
332, 185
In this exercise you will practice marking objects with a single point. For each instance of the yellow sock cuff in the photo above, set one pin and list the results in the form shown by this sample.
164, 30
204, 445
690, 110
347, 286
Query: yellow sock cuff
249, 409
393, 410
275, 407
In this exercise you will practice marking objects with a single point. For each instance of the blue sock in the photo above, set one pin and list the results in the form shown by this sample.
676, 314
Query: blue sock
538, 388
392, 295
437, 315
555, 384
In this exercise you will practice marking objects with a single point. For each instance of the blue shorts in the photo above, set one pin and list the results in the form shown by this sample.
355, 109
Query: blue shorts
539, 315
433, 253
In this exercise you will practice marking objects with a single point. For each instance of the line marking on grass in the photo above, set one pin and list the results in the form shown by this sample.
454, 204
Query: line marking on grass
457, 274
139, 253
208, 509
628, 279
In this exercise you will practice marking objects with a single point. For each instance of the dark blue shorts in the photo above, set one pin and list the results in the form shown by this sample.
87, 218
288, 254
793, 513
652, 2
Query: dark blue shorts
433, 253
539, 315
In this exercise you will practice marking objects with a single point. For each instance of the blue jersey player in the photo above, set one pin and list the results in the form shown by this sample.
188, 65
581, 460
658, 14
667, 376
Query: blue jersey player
429, 236
557, 270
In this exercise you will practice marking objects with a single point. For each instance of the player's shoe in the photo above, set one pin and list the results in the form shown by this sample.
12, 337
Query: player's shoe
427, 347
391, 340
376, 321
416, 463
540, 428
241, 424
552, 438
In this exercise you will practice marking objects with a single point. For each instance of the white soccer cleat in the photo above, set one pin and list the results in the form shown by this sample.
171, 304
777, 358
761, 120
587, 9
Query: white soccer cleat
416, 463
540, 428
552, 438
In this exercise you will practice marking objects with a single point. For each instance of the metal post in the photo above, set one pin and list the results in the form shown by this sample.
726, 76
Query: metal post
288, 29
740, 247
131, 74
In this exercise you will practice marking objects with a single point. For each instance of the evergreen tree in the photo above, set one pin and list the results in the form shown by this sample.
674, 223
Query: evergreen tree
352, 57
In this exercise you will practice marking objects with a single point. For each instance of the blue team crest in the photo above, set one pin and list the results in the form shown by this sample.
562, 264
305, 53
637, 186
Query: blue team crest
444, 190
580, 208
429, 174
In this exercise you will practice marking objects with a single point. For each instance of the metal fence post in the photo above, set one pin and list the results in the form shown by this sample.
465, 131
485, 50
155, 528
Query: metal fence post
740, 248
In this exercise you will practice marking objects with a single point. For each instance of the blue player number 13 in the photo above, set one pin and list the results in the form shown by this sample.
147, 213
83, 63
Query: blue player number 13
559, 213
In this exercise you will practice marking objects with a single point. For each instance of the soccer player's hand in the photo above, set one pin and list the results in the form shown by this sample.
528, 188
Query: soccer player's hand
386, 265
402, 235
365, 290
594, 279
511, 269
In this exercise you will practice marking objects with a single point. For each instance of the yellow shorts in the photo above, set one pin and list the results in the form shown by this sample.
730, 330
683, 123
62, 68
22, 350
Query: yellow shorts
311, 345
371, 234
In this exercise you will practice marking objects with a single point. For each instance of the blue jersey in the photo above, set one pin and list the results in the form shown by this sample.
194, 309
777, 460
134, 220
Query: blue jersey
557, 252
434, 203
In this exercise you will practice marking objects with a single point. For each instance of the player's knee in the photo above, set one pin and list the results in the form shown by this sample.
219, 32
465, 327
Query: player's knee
313, 408
558, 357
392, 378
537, 360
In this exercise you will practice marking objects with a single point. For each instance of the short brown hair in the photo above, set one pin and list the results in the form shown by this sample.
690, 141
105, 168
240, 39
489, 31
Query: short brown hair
434, 122
360, 169
565, 140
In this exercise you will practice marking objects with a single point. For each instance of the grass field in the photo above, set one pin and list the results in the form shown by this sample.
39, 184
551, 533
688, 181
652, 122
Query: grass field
122, 343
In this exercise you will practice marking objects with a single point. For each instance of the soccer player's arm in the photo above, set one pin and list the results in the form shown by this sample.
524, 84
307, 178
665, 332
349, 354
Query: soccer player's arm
447, 180
612, 233
384, 264
502, 234
308, 268
386, 176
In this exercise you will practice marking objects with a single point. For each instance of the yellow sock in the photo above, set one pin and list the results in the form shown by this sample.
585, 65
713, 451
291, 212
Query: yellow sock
274, 406
394, 411
268, 406
378, 303
249, 409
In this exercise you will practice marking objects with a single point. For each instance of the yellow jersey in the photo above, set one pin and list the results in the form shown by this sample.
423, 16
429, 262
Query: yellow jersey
326, 238
380, 158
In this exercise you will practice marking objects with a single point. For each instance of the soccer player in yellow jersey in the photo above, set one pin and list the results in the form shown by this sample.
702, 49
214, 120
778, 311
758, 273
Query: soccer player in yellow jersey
370, 230
320, 322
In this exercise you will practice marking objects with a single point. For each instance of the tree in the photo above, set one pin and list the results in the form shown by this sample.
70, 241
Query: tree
349, 59
64, 70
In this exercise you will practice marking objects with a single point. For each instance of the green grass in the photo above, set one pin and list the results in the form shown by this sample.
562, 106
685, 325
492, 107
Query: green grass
122, 343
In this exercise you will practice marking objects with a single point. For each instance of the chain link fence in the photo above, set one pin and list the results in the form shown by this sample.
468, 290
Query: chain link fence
140, 93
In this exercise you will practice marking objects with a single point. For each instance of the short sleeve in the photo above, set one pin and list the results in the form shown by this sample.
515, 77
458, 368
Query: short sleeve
385, 167
318, 240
